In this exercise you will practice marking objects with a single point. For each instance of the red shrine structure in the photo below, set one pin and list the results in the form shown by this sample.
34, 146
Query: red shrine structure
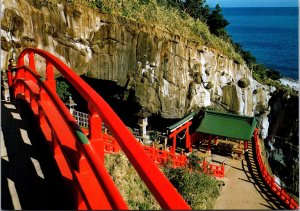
211, 125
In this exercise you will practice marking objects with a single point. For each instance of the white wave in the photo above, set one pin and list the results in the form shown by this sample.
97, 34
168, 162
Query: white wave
294, 84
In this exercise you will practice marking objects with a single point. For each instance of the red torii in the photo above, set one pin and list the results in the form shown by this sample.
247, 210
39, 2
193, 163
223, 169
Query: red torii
178, 127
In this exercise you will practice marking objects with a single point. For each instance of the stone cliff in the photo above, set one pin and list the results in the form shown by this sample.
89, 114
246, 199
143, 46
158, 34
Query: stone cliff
283, 139
168, 74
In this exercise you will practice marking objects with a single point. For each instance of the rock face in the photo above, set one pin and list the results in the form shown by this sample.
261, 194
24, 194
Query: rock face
168, 74
283, 139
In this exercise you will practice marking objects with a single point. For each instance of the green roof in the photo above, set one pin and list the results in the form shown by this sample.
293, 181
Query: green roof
182, 121
227, 125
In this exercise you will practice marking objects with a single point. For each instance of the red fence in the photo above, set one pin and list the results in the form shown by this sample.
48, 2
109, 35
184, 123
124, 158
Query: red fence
212, 169
269, 179
80, 158
163, 156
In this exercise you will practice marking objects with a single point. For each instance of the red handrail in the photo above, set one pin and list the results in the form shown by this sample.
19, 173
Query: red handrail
159, 185
269, 179
97, 166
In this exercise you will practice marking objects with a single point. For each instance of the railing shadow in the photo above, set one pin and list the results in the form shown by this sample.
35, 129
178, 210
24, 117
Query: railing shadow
258, 183
30, 178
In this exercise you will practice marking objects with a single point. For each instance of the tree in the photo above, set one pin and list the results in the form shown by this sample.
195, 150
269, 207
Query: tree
198, 9
62, 90
217, 22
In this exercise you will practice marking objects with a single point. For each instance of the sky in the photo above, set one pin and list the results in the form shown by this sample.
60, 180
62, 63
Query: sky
253, 3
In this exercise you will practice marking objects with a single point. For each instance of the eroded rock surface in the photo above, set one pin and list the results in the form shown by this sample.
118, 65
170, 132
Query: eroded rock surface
169, 75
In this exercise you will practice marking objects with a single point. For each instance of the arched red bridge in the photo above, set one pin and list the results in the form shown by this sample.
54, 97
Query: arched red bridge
80, 157
80, 154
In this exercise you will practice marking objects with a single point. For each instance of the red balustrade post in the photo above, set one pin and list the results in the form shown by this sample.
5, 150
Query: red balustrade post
32, 62
43, 96
9, 77
222, 170
95, 133
27, 94
34, 106
165, 157
50, 75
204, 166
20, 73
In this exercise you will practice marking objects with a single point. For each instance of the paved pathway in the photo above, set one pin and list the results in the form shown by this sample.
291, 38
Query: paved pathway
30, 178
244, 189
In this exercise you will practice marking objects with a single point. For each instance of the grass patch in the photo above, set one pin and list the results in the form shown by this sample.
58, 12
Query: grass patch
130, 185
199, 190
167, 18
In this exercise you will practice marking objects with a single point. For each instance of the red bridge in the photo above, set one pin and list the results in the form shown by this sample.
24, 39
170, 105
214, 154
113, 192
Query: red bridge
80, 154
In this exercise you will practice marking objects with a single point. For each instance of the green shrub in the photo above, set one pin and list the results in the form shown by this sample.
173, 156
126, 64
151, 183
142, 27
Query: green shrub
130, 185
62, 90
199, 190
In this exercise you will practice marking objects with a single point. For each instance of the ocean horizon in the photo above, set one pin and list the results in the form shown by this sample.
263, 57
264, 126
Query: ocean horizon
269, 33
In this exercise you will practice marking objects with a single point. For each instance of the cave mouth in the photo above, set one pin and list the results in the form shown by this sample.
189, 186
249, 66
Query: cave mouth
125, 107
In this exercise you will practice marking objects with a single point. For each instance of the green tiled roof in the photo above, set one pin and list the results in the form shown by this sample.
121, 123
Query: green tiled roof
227, 125
182, 121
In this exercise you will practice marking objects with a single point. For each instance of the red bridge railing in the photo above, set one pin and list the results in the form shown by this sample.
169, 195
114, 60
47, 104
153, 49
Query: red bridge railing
269, 179
80, 157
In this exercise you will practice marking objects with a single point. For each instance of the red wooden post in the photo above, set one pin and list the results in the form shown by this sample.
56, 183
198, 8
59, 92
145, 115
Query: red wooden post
204, 166
43, 96
95, 134
9, 77
34, 106
27, 94
50, 75
31, 62
188, 139
222, 170
246, 145
174, 144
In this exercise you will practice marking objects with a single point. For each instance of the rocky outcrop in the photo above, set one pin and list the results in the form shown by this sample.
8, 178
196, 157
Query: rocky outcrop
283, 139
169, 75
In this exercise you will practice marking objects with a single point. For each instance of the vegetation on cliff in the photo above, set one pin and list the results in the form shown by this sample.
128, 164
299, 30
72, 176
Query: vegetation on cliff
173, 18
199, 190
194, 20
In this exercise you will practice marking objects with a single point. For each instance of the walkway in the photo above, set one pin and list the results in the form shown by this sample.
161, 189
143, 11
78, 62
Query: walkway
30, 178
244, 189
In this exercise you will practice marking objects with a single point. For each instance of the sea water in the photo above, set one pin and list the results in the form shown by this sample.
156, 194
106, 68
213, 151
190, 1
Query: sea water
270, 34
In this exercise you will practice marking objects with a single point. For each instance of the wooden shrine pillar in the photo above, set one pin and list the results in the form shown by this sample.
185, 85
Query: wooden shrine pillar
174, 144
216, 140
188, 137
246, 145
188, 144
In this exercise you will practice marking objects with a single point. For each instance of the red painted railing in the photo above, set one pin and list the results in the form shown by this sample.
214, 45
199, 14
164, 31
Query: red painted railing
180, 160
80, 158
269, 179
213, 169
162, 156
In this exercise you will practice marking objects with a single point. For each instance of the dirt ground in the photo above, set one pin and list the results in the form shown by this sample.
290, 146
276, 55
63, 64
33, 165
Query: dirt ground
240, 191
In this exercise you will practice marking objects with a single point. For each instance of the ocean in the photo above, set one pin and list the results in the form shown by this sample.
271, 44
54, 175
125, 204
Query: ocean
269, 33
